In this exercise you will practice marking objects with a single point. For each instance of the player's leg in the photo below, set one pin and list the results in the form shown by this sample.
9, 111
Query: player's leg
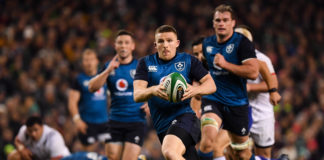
131, 151
173, 148
114, 143
133, 140
236, 121
262, 133
88, 140
240, 146
221, 142
181, 138
210, 124
113, 150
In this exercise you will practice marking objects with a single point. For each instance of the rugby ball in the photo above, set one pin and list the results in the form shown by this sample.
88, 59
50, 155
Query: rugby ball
175, 85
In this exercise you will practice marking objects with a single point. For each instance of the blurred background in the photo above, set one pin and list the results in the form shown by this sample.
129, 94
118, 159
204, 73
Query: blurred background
41, 42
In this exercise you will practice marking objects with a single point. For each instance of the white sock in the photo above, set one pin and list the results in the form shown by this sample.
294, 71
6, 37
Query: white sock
220, 158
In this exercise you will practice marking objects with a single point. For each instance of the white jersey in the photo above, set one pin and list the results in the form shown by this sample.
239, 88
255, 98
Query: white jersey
50, 145
260, 102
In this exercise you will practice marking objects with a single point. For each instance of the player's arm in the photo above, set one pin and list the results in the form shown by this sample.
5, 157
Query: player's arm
207, 84
142, 93
99, 80
24, 152
265, 85
249, 68
246, 53
270, 84
73, 100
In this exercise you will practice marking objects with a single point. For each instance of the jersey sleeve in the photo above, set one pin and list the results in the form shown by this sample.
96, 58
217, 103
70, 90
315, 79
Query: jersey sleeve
267, 60
104, 67
141, 71
75, 84
22, 134
246, 49
56, 145
197, 70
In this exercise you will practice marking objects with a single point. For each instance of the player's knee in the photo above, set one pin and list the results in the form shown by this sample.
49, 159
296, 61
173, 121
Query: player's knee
242, 146
169, 153
241, 149
209, 122
113, 156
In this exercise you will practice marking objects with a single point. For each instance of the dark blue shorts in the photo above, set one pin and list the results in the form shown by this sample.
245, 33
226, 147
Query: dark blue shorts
132, 132
187, 128
95, 133
236, 119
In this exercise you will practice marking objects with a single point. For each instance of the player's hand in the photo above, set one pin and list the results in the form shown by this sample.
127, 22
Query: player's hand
146, 109
159, 91
219, 60
274, 98
26, 154
114, 63
81, 126
190, 92
248, 87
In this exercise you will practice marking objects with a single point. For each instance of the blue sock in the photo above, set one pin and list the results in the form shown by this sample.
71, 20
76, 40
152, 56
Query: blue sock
252, 157
205, 156
262, 158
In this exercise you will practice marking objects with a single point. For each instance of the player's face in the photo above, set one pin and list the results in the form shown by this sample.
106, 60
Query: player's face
197, 51
124, 46
35, 131
166, 44
223, 24
90, 63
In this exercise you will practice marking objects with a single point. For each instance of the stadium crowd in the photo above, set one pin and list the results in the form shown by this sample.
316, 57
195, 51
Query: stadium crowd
41, 43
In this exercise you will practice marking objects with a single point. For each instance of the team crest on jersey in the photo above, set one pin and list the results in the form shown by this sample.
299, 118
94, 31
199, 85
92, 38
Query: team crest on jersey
121, 84
132, 73
230, 48
152, 68
209, 49
179, 66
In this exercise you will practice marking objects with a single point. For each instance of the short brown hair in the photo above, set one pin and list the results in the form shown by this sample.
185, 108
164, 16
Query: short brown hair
89, 51
125, 32
225, 8
166, 28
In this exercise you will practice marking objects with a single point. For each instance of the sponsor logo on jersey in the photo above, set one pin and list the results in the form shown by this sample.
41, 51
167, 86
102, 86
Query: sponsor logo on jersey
132, 73
209, 49
230, 48
121, 84
152, 68
180, 66
99, 94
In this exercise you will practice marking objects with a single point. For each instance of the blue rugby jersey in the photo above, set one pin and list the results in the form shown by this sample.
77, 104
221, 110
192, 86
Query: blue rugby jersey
92, 106
120, 84
231, 89
153, 70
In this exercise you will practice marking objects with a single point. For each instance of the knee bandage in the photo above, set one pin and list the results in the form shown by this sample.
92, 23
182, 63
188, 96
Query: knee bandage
242, 146
209, 122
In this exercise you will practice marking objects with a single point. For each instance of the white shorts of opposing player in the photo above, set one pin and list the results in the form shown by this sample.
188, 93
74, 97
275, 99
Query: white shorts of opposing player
262, 132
